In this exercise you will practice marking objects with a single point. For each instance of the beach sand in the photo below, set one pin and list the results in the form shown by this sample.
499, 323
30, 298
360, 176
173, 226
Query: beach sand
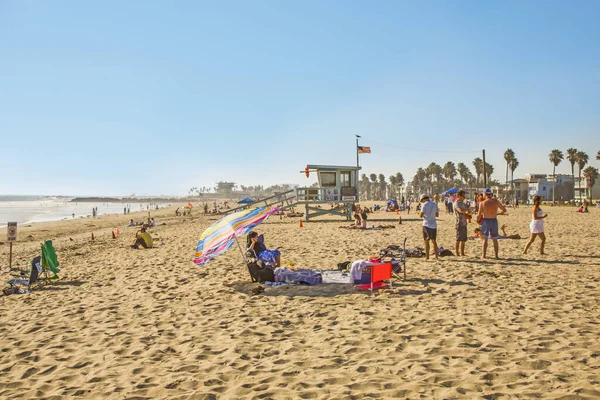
124, 323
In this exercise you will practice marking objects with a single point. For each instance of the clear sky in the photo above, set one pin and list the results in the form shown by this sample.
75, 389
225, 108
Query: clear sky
154, 97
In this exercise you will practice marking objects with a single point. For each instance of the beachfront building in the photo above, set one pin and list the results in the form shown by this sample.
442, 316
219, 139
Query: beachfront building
584, 192
542, 185
520, 189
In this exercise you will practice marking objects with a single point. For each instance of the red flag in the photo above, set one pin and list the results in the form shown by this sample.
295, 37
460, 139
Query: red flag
364, 149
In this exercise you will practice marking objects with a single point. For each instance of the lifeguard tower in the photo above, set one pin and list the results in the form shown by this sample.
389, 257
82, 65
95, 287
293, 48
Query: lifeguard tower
337, 185
337, 190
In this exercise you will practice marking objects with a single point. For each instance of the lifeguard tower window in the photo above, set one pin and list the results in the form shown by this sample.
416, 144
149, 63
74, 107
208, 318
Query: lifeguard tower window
345, 179
328, 179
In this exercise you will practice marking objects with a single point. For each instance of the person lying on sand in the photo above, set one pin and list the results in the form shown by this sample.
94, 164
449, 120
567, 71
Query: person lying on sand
377, 228
477, 234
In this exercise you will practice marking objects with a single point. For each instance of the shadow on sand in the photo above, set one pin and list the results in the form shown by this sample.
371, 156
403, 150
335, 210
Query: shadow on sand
399, 288
516, 261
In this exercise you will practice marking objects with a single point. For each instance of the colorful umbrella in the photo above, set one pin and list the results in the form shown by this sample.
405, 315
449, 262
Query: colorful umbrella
219, 237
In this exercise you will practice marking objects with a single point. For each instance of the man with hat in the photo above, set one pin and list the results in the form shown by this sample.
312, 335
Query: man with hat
429, 212
488, 211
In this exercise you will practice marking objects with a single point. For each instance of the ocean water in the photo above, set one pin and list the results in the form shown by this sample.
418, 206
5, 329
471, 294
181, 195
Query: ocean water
26, 210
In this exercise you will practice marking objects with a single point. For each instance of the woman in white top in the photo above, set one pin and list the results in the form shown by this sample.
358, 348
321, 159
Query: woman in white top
537, 225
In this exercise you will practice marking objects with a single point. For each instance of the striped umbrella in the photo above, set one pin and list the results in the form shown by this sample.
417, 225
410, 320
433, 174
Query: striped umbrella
219, 237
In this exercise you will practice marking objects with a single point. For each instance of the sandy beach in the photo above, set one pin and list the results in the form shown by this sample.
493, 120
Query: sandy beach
125, 324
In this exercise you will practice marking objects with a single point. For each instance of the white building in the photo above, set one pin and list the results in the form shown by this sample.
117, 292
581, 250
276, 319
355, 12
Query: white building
542, 185
585, 193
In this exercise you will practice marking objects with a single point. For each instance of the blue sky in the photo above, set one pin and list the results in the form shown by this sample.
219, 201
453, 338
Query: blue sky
154, 97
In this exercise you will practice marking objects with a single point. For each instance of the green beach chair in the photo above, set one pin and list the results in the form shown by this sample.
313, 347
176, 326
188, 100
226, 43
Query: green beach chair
49, 259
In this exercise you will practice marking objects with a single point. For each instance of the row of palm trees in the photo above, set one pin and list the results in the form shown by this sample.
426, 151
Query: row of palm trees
435, 178
432, 179
375, 187
580, 158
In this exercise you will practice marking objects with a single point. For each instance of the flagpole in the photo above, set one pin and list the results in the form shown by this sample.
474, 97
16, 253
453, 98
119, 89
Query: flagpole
357, 164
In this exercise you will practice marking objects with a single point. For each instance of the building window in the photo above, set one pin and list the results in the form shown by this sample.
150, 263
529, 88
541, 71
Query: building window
328, 179
345, 178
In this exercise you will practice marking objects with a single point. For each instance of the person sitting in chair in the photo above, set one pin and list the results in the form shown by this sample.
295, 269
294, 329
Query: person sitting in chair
259, 249
143, 239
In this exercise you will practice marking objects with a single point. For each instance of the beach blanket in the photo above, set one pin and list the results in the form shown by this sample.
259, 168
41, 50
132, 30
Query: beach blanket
336, 277
300, 275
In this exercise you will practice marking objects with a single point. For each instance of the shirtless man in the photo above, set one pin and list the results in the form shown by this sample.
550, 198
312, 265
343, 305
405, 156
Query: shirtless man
488, 209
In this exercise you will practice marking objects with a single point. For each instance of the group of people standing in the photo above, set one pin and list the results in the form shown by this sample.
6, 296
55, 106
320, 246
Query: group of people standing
488, 208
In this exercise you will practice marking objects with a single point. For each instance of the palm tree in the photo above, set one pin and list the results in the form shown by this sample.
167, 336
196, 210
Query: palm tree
508, 156
556, 156
591, 175
399, 180
436, 171
382, 187
572, 157
582, 159
393, 186
514, 163
478, 164
419, 181
470, 179
449, 170
463, 170
598, 155
373, 178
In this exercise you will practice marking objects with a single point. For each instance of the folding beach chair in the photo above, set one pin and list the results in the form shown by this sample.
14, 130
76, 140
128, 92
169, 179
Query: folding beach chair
49, 260
36, 269
379, 273
397, 256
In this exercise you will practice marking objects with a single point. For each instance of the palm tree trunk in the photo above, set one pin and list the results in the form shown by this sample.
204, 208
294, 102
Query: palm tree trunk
580, 185
553, 182
573, 175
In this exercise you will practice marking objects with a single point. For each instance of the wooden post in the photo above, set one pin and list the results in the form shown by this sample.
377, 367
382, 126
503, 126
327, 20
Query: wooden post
484, 175
10, 256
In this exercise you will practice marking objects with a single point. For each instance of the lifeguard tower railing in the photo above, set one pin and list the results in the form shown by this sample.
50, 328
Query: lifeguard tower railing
325, 200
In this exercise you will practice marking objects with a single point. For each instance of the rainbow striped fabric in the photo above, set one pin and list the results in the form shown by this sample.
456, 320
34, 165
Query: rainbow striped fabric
219, 237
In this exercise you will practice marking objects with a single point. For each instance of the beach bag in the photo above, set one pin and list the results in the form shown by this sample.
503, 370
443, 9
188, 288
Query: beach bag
260, 272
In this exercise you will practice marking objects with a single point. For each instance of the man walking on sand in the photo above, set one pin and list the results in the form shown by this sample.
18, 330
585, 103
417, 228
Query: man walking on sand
488, 212
461, 210
429, 212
